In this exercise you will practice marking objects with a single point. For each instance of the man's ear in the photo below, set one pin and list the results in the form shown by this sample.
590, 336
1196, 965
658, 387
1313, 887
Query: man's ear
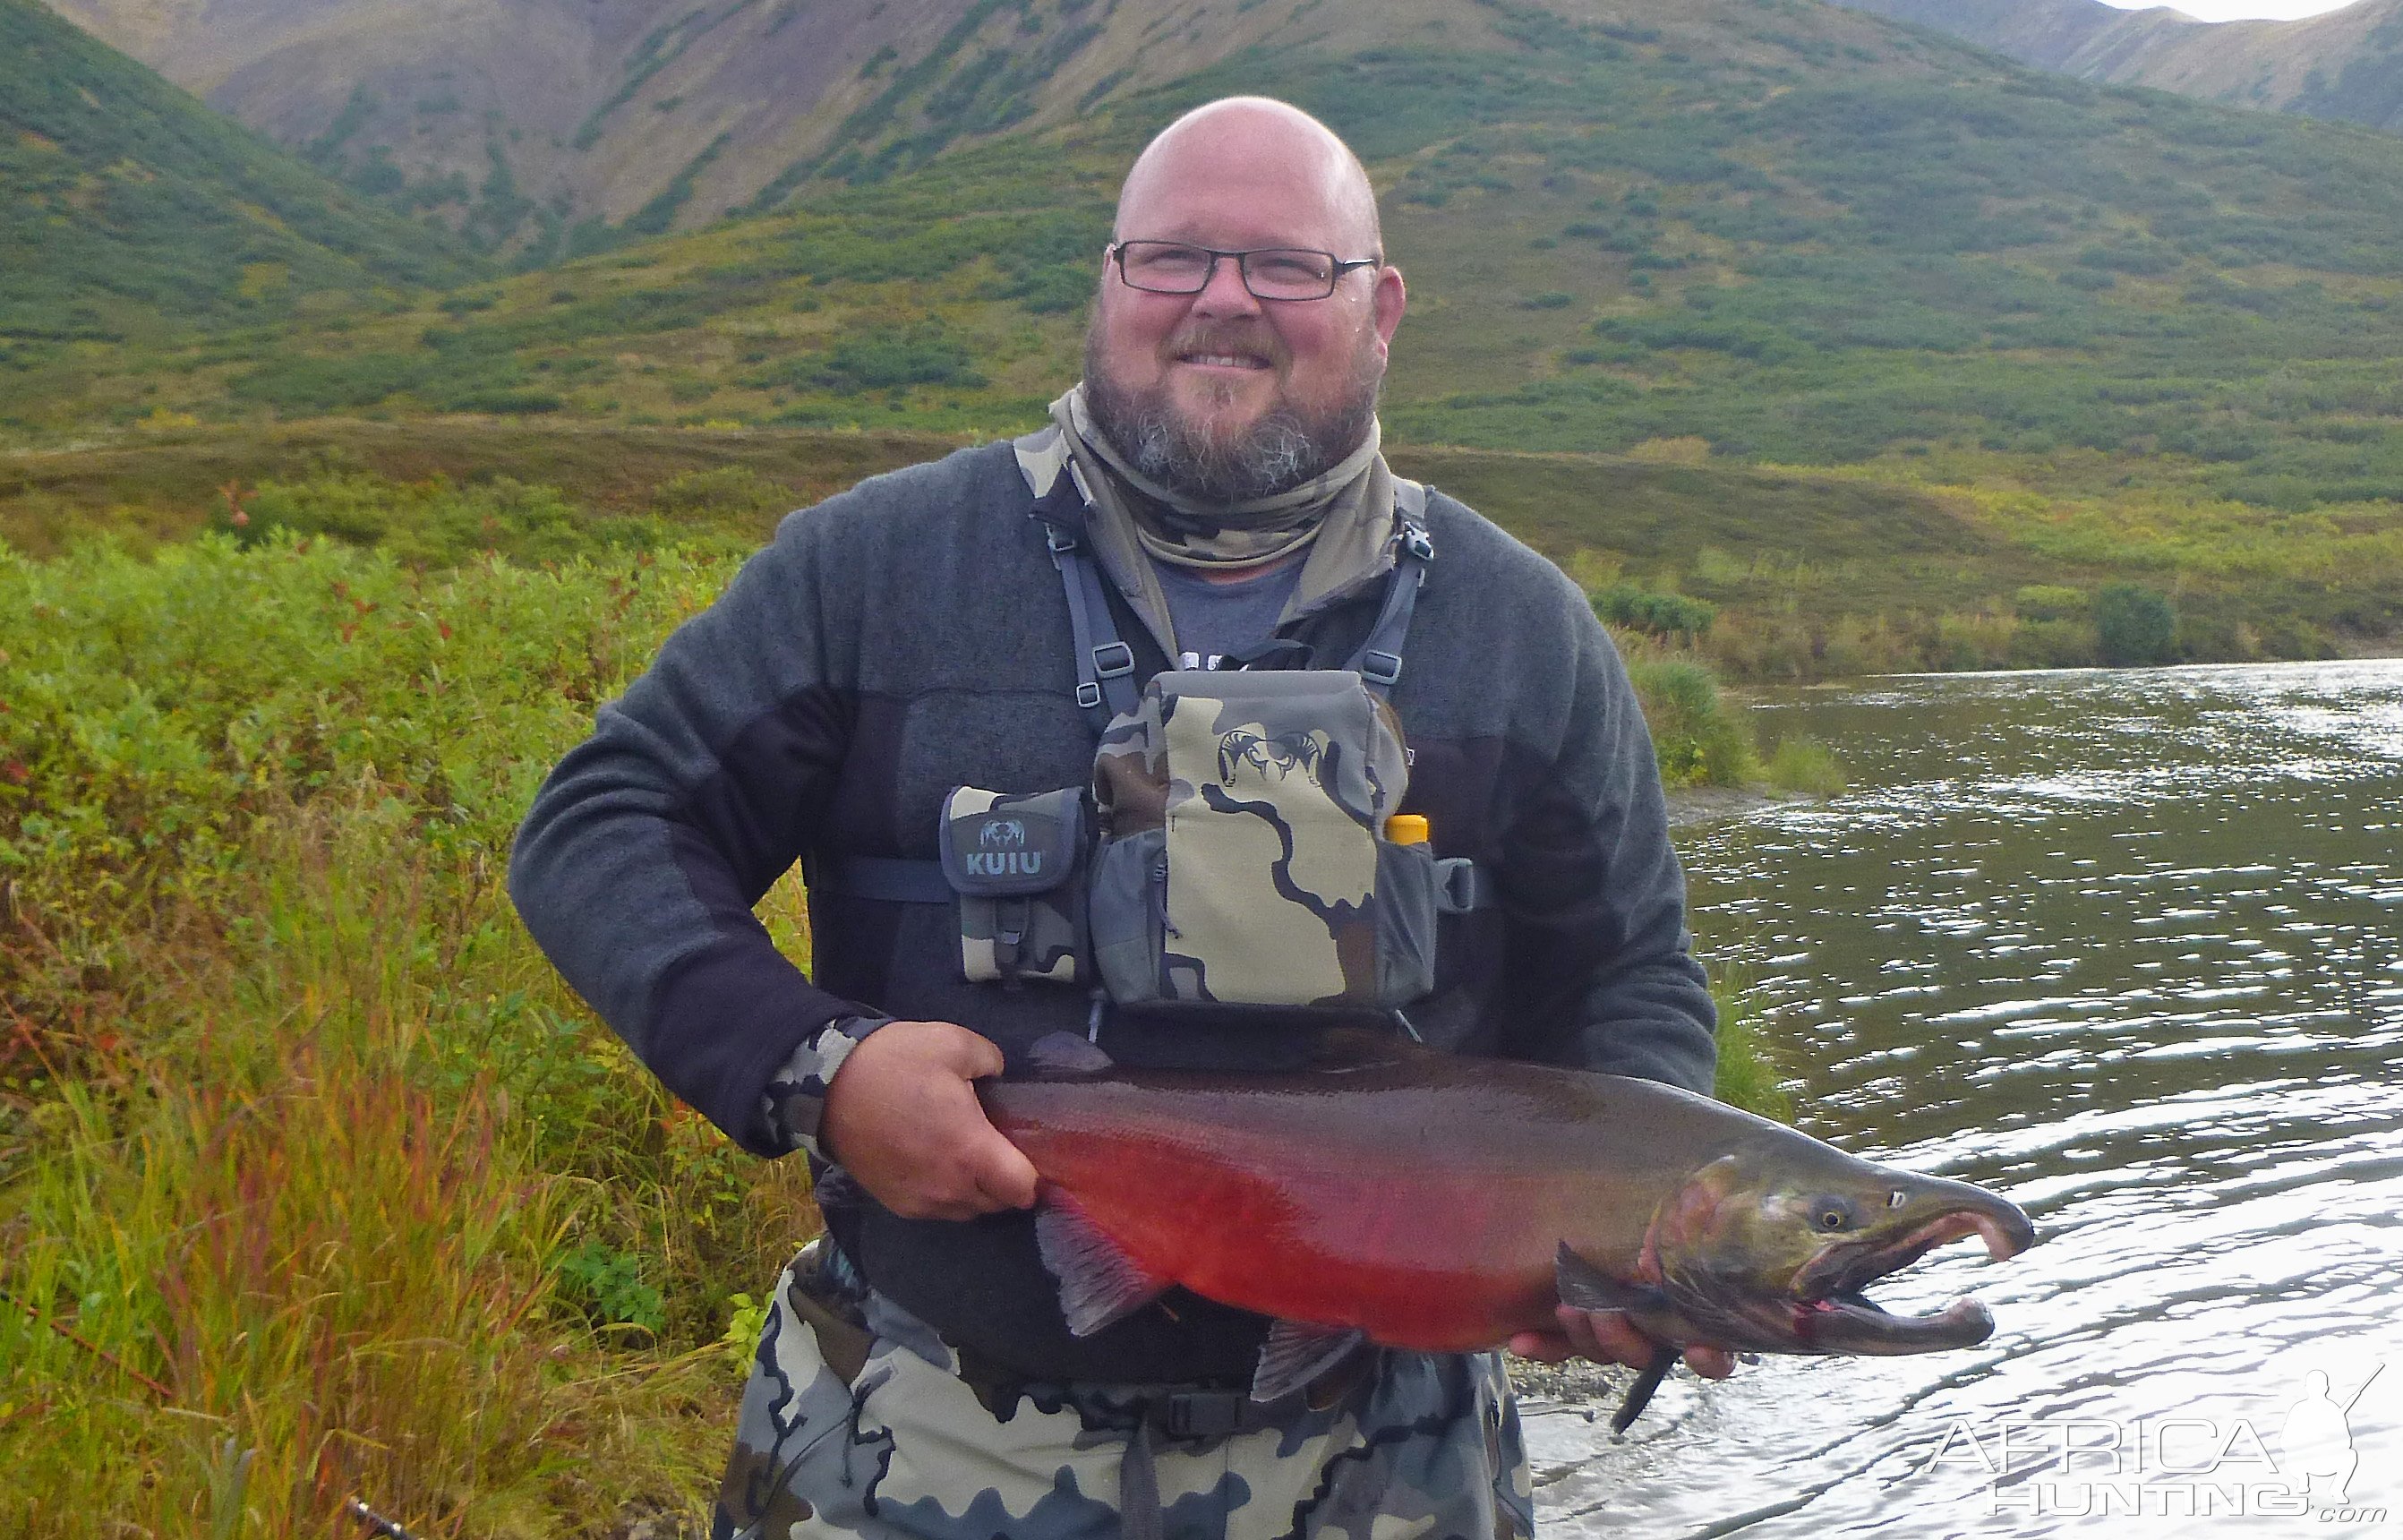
1392, 298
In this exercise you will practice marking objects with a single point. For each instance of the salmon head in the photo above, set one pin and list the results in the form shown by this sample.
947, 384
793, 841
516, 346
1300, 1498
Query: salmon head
1771, 1250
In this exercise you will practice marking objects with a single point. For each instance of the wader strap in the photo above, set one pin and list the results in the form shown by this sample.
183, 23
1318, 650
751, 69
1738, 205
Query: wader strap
1378, 661
882, 877
1105, 663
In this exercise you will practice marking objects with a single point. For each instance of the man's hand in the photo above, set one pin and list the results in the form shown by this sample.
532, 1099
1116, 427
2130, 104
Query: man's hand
902, 1117
1606, 1337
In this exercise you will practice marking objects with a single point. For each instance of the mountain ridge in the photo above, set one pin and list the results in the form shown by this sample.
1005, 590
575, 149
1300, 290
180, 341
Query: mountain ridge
2345, 64
557, 126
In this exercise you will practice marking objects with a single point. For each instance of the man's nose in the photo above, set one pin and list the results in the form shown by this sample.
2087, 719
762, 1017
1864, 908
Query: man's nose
1225, 294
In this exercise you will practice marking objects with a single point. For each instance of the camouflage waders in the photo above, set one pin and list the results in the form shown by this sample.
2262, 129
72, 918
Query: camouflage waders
866, 1428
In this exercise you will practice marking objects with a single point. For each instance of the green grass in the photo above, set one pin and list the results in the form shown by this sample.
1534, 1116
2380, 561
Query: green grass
1750, 1075
1698, 738
1803, 764
302, 1145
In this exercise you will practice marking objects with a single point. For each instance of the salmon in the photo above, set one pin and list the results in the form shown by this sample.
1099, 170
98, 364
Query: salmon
1396, 1196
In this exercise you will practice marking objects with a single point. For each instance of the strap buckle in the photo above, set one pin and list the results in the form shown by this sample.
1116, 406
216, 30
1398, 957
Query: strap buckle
1112, 660
1089, 695
1201, 1414
1057, 540
1462, 887
1381, 668
1417, 542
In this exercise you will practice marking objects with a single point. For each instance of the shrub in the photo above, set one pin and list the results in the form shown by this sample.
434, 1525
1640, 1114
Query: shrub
927, 354
1696, 739
2050, 602
2133, 625
1663, 615
1804, 764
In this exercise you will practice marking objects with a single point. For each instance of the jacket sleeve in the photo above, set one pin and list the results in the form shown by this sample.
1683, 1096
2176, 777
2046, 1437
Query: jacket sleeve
1600, 963
637, 867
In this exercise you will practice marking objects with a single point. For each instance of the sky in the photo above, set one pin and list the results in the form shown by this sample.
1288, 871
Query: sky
2230, 10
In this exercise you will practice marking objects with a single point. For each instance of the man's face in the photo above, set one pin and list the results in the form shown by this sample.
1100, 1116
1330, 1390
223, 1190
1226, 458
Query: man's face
1221, 395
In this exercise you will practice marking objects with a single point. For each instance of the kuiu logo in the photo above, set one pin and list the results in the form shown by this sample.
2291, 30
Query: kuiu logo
1284, 753
1002, 852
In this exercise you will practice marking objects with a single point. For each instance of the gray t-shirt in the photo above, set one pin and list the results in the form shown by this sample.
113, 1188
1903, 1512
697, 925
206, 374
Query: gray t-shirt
1213, 619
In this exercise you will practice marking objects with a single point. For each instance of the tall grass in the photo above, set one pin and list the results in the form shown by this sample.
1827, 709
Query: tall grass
1750, 1075
1698, 738
298, 1132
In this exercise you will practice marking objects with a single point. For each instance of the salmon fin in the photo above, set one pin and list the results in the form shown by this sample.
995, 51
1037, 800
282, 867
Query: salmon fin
1098, 1282
1639, 1394
1066, 1056
1298, 1353
1588, 1287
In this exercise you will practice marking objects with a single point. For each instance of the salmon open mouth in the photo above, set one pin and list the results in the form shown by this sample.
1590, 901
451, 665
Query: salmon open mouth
1829, 1307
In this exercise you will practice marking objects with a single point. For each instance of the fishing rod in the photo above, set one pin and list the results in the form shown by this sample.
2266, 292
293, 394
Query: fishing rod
377, 1523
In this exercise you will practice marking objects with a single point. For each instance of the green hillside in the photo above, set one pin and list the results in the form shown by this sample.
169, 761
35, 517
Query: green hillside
2146, 336
133, 208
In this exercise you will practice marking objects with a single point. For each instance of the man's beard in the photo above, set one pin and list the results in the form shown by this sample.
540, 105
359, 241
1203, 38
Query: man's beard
1284, 448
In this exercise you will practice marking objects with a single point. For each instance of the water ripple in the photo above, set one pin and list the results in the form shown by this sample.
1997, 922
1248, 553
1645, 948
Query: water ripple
2121, 945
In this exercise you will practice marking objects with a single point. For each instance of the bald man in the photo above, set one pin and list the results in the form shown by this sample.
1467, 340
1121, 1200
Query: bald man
1210, 495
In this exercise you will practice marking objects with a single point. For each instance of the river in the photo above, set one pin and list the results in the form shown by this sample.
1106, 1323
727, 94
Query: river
2127, 946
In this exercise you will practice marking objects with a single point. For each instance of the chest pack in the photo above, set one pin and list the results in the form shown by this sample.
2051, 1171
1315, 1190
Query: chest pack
1240, 843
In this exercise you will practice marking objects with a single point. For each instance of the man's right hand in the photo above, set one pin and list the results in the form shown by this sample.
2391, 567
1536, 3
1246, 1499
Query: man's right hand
902, 1117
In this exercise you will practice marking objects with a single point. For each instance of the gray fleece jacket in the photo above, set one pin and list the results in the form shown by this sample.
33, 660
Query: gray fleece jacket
911, 635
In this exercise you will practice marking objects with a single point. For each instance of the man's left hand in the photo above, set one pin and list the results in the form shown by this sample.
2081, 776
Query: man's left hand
1607, 1337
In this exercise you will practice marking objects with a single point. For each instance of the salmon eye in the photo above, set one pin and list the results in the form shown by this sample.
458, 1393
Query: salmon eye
1831, 1219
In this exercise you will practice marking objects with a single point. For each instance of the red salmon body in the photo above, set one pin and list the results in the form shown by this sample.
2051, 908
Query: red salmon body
1427, 1216
1443, 1204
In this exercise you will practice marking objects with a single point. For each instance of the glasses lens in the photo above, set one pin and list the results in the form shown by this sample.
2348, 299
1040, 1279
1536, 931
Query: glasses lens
1290, 274
1165, 267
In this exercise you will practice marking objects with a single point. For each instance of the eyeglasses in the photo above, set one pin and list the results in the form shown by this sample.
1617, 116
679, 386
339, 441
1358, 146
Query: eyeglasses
1273, 272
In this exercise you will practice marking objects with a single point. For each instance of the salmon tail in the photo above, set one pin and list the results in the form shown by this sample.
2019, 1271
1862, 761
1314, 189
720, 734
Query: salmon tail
1639, 1394
1098, 1282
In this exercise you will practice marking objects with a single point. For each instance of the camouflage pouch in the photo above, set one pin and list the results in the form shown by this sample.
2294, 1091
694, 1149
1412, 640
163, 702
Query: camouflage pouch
1016, 863
1242, 862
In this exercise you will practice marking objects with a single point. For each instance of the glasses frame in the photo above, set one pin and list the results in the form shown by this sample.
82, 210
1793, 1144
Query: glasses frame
1339, 266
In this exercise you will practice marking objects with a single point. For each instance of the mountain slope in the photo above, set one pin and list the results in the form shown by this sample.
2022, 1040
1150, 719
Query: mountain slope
543, 123
2346, 64
554, 126
133, 205
1781, 231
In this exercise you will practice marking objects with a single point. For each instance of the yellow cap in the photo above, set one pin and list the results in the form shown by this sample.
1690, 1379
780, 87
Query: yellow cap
1406, 828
